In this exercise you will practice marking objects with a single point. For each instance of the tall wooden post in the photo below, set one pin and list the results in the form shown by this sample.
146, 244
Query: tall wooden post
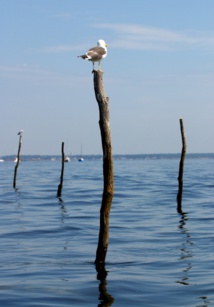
59, 192
18, 159
181, 168
108, 172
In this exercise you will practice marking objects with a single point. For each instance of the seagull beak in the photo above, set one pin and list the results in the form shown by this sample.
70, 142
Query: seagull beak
106, 45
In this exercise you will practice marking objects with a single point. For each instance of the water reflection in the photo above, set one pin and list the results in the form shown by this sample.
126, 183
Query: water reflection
18, 199
205, 300
63, 209
186, 253
105, 298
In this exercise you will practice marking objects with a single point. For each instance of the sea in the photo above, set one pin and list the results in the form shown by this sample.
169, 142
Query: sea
157, 256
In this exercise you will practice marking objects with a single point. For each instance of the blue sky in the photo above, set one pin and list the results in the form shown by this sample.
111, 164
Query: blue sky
159, 68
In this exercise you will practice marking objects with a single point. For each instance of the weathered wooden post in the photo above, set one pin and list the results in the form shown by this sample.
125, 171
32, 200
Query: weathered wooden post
181, 169
18, 158
59, 192
108, 172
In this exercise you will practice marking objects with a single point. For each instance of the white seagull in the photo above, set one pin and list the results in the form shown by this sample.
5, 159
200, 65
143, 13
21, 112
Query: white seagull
96, 54
20, 132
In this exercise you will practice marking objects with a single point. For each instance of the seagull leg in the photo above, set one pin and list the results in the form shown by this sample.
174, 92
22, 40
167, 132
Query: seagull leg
99, 68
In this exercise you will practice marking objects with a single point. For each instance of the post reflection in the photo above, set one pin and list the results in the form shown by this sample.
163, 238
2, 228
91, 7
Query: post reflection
63, 209
205, 302
185, 249
18, 199
105, 298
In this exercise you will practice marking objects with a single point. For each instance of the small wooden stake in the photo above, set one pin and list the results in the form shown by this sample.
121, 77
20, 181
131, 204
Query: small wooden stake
108, 172
18, 159
181, 169
59, 192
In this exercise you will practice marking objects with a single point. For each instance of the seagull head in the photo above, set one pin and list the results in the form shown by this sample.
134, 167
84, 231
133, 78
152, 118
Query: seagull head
101, 43
20, 132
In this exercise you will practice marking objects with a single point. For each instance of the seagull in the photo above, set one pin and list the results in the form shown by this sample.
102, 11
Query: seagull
96, 54
20, 132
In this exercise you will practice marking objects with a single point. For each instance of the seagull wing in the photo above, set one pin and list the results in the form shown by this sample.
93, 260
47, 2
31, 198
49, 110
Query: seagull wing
96, 53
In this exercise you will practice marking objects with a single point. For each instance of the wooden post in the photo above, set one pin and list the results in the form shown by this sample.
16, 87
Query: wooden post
18, 159
108, 172
181, 169
59, 192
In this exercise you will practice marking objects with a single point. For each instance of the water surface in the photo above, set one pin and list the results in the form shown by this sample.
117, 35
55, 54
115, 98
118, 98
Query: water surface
156, 256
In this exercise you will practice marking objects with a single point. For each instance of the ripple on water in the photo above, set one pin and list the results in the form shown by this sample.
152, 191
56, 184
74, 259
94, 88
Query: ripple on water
156, 257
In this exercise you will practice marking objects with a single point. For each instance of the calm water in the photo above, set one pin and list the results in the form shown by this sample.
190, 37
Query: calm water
156, 257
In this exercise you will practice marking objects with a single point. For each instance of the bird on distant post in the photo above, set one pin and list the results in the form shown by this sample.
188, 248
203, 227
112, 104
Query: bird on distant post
96, 54
20, 132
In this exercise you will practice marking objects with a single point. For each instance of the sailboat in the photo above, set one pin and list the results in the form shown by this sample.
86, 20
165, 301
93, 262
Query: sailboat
1, 160
81, 159
67, 159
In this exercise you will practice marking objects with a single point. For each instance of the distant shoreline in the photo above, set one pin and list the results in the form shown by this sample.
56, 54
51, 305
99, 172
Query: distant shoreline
9, 158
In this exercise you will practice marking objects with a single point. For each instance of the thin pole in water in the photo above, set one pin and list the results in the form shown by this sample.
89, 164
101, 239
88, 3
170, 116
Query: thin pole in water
59, 192
108, 172
181, 169
18, 158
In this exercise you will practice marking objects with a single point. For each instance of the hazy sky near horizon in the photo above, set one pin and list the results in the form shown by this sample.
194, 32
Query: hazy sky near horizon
159, 68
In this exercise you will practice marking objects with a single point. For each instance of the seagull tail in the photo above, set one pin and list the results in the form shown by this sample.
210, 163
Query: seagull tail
84, 56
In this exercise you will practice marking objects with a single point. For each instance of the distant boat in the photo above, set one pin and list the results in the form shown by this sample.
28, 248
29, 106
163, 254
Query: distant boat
15, 160
67, 159
81, 159
1, 160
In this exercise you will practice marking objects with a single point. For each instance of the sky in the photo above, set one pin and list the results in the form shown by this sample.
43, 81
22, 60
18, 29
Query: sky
159, 68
